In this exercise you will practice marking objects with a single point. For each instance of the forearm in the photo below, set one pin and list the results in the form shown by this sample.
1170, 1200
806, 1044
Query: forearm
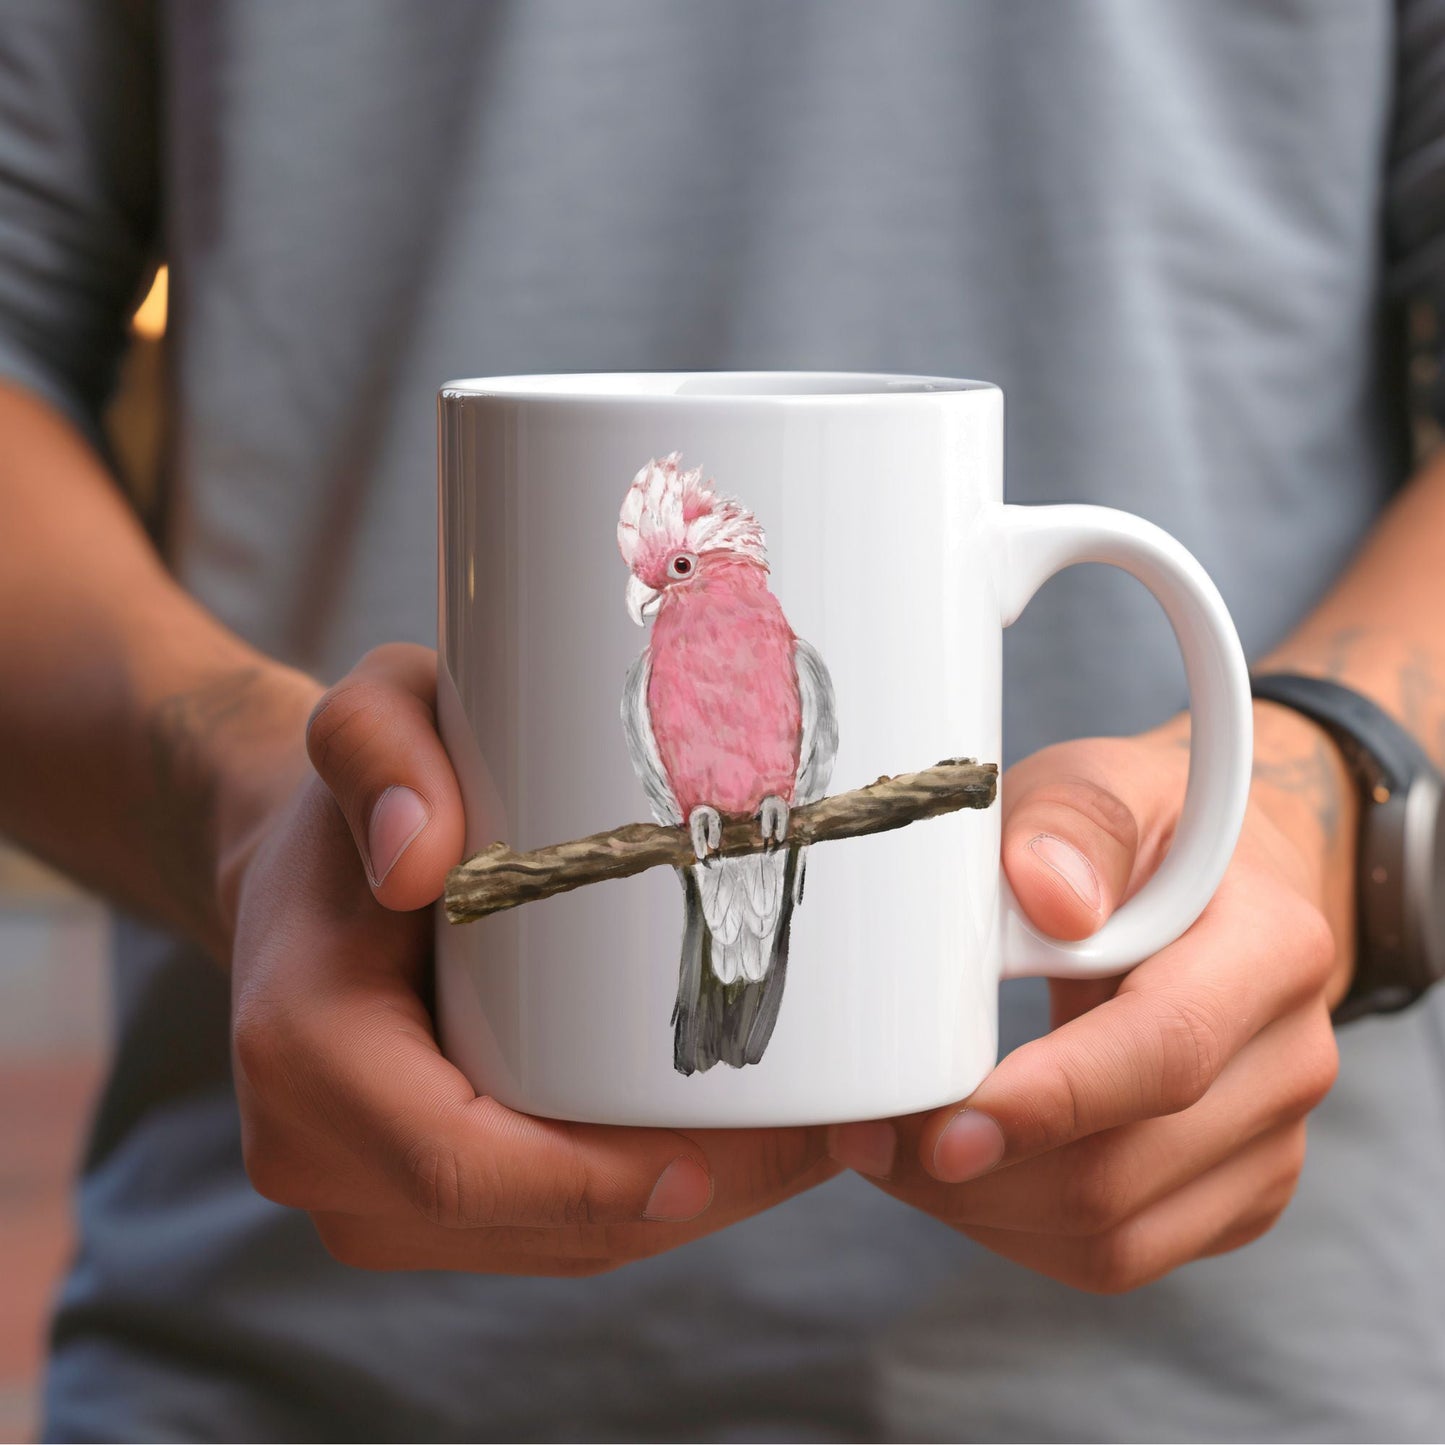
130, 719
1381, 631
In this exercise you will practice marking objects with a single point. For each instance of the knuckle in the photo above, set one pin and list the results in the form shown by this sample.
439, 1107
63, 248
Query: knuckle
1191, 1034
454, 1191
343, 724
1258, 1222
1270, 1215
253, 1047
270, 1173
1291, 1166
444, 1190
772, 1160
387, 656
581, 1194
1059, 1111
273, 1053
1249, 1230
347, 1245
1095, 1197
1064, 1111
568, 1188
1326, 1068
1110, 1264
1107, 812
1317, 1065
1267, 1207
1314, 941
268, 1094
1101, 809
785, 1155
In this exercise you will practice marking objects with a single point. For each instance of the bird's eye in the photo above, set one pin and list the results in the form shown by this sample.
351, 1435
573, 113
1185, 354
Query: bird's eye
683, 564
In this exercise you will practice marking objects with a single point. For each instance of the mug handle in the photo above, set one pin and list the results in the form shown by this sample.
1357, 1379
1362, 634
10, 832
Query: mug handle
1036, 542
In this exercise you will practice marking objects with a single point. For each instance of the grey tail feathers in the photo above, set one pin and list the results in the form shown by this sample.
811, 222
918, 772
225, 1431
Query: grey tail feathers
730, 1023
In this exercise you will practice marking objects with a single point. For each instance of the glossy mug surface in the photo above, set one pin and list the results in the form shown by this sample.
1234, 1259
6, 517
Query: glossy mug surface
697, 597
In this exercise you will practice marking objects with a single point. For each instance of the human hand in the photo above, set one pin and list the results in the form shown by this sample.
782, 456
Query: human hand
1163, 1118
348, 1108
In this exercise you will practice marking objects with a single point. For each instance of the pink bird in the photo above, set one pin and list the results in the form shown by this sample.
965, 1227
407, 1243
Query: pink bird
727, 713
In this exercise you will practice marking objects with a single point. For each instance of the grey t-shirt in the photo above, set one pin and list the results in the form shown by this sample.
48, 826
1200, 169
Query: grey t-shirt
1177, 233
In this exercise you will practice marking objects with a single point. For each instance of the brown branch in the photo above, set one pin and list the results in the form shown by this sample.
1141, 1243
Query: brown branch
499, 878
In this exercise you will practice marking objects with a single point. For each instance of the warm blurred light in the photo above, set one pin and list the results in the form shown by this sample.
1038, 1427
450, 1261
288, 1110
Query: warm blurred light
149, 320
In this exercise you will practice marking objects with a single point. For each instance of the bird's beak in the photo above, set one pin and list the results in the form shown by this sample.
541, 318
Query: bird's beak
642, 600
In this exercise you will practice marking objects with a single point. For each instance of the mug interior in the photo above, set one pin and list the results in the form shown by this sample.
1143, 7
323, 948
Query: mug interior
659, 385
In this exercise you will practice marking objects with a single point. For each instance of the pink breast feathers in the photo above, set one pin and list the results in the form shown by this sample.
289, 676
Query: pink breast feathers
723, 695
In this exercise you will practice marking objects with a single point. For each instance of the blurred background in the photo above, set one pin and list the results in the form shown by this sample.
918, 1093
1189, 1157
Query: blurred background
54, 989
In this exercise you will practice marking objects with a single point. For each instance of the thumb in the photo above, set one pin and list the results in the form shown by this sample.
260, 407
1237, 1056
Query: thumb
373, 740
1069, 847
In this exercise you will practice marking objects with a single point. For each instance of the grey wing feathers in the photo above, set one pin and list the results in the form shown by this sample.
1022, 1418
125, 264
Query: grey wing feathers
819, 745
642, 745
818, 740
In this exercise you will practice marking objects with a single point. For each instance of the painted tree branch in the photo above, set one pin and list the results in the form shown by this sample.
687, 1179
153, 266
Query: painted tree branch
498, 878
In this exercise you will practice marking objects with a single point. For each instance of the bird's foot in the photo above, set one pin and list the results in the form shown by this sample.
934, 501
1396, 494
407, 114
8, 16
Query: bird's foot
773, 819
705, 825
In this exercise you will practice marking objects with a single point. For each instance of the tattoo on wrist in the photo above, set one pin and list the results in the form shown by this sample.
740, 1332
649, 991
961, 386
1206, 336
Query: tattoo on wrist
1313, 778
1413, 687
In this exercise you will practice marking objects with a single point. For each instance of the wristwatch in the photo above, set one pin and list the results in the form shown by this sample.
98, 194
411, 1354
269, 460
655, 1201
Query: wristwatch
1400, 861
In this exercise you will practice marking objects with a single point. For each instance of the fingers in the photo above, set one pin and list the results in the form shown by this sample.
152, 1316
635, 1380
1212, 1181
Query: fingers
1084, 824
575, 1249
1156, 1046
1069, 850
1163, 1119
1224, 1209
347, 1102
373, 740
353, 1107
1097, 1183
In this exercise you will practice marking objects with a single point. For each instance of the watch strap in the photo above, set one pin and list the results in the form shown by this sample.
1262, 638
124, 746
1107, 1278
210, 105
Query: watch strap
1372, 741
1386, 762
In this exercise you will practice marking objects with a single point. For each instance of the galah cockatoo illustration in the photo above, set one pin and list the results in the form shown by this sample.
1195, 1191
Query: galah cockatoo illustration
727, 714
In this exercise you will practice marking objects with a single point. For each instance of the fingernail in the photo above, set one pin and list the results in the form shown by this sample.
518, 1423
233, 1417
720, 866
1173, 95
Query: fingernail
682, 1192
868, 1147
1072, 867
970, 1145
399, 815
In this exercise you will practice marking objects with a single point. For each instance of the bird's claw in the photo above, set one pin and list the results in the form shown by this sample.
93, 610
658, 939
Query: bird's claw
705, 825
773, 819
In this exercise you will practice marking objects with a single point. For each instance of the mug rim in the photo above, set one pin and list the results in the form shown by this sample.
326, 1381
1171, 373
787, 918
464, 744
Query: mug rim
724, 387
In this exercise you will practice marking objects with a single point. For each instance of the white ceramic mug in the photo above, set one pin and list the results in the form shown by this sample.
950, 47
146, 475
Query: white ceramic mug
574, 507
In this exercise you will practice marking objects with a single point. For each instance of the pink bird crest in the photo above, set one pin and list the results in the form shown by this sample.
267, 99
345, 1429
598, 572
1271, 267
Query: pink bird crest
668, 509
